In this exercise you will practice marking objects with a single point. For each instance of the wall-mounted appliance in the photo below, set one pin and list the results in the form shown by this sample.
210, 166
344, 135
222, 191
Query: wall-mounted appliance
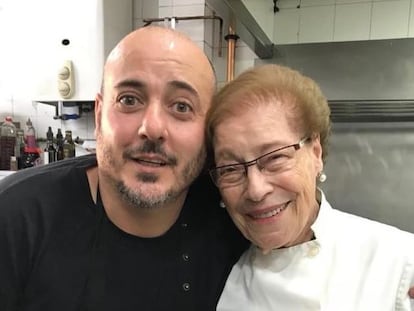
58, 48
76, 38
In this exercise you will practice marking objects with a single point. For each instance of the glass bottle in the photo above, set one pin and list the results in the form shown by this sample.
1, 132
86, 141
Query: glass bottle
59, 145
68, 145
30, 134
19, 147
50, 150
13, 163
7, 143
32, 154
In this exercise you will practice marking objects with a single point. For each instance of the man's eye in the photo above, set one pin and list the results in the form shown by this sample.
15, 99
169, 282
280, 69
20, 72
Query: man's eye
128, 100
182, 107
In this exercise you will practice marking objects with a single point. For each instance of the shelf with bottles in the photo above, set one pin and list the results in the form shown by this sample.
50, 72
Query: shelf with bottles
21, 149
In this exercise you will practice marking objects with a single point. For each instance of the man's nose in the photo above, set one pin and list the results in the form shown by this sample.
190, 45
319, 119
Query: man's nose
153, 123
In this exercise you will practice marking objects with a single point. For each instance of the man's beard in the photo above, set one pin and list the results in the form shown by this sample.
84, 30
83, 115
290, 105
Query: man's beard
136, 197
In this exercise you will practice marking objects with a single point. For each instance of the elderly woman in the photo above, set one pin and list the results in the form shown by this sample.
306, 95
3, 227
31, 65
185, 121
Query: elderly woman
269, 131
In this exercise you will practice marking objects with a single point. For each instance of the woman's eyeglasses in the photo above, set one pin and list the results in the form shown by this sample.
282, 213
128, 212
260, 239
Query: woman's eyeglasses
270, 163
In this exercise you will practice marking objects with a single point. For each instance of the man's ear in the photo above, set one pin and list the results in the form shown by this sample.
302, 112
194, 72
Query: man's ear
98, 111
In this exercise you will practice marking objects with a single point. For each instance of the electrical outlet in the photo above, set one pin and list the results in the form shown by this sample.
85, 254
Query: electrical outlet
66, 80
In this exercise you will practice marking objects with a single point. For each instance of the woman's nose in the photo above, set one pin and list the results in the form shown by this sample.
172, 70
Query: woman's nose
153, 123
257, 184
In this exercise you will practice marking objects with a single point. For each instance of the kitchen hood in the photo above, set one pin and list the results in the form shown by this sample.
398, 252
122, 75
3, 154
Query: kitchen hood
364, 81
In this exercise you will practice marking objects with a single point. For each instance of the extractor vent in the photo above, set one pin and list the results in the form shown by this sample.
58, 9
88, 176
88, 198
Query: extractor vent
372, 110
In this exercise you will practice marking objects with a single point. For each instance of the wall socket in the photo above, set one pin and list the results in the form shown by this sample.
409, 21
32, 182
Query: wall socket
66, 80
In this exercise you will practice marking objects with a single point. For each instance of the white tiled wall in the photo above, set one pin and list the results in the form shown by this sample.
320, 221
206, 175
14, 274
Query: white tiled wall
360, 23
341, 20
313, 21
390, 19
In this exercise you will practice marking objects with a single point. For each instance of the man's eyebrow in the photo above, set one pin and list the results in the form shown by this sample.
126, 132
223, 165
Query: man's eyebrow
136, 84
183, 85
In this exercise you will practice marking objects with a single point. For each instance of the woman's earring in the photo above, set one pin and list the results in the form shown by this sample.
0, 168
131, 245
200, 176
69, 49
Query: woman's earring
321, 176
222, 205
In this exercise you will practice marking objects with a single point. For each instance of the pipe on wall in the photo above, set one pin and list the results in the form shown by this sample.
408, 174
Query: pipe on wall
231, 39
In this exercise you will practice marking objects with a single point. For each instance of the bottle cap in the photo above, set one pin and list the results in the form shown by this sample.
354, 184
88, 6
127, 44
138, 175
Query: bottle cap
31, 149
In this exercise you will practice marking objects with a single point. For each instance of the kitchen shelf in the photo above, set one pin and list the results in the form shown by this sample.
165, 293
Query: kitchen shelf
84, 106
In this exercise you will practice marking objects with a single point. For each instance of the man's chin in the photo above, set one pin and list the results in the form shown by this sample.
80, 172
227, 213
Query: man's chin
147, 194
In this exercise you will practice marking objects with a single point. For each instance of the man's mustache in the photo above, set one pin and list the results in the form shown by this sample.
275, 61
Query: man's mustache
152, 147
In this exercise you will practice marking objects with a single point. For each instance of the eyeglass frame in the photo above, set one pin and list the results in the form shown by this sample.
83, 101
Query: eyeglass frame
246, 165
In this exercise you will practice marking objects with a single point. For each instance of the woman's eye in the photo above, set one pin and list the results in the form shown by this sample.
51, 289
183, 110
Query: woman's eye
227, 170
232, 169
275, 157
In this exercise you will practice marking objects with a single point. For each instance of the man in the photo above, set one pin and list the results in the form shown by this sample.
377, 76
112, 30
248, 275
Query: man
124, 230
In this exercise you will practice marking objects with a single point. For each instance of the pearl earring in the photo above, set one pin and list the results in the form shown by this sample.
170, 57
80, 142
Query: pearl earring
321, 177
222, 205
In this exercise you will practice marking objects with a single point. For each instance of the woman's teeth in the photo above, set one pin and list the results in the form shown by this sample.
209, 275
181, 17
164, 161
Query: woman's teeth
270, 213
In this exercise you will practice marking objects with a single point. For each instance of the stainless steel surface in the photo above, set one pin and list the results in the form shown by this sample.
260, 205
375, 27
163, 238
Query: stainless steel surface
356, 70
370, 170
372, 110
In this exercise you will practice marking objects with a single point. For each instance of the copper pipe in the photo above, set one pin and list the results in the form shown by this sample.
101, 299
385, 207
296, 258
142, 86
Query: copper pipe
231, 39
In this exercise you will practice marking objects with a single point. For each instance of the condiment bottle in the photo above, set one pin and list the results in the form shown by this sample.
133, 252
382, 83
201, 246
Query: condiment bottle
59, 145
68, 145
30, 135
19, 147
7, 143
50, 150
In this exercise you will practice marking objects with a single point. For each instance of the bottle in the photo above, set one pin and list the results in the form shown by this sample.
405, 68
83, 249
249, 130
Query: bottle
30, 134
50, 150
13, 163
19, 147
7, 143
68, 146
59, 145
32, 154
31, 157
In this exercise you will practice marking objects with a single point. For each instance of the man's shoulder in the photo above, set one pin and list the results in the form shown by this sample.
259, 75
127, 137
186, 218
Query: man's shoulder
46, 175
49, 183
